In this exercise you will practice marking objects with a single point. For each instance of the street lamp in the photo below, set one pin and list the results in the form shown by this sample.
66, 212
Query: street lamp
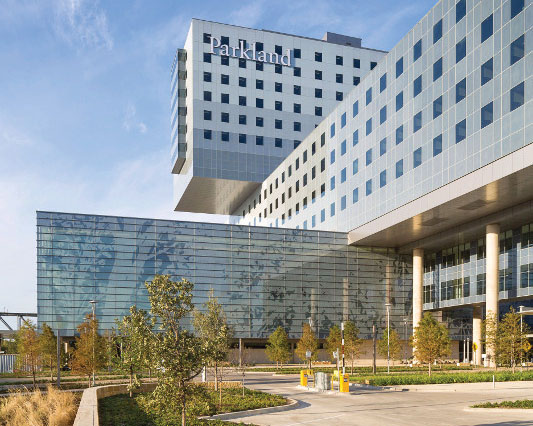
93, 305
388, 305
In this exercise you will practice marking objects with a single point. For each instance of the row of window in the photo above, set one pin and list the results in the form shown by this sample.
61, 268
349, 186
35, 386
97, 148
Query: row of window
244, 138
259, 102
259, 121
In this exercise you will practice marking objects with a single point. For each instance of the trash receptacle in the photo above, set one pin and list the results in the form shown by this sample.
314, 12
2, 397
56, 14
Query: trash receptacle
303, 377
345, 383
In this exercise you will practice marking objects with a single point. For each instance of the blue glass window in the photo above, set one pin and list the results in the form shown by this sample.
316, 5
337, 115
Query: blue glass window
259, 103
313, 221
437, 145
242, 138
369, 95
399, 134
487, 71
417, 86
332, 183
517, 49
417, 122
460, 10
437, 69
332, 209
383, 179
516, 7
460, 90
517, 96
343, 147
343, 175
399, 101
343, 120
487, 28
259, 140
382, 82
368, 126
355, 166
207, 57
322, 215
369, 187
437, 107
355, 195
355, 108
487, 115
399, 67
343, 202
278, 143
369, 156
225, 136
382, 146
460, 50
417, 157
437, 31
417, 50
383, 115
355, 138
460, 131
332, 157
357, 63
399, 168
207, 134
332, 130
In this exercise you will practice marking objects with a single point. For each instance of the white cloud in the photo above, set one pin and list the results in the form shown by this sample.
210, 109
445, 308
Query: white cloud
130, 120
82, 23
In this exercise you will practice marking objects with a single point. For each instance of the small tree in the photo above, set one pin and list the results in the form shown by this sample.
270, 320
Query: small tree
214, 332
278, 348
333, 341
28, 347
48, 348
307, 342
178, 354
430, 341
394, 347
90, 349
136, 339
352, 342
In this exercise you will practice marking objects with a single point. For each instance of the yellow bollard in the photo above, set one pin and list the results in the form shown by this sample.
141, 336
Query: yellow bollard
345, 383
303, 377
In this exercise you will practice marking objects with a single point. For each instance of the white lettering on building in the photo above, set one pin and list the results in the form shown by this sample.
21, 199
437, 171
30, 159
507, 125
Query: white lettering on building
249, 53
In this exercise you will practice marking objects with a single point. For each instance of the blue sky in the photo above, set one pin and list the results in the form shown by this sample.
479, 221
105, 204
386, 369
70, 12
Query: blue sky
84, 103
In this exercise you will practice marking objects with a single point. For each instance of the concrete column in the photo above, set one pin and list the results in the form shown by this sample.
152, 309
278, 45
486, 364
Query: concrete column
476, 333
418, 290
491, 269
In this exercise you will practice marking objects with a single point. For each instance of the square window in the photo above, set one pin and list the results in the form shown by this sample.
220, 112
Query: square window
207, 115
207, 96
487, 71
242, 119
259, 84
278, 49
207, 134
297, 126
259, 121
355, 195
318, 75
437, 145
278, 69
437, 69
355, 108
259, 140
278, 143
517, 96
343, 147
259, 103
368, 187
437, 107
259, 66
278, 87
225, 136
343, 175
417, 50
383, 179
486, 115
460, 131
357, 63
399, 168
338, 60
516, 7
242, 81
338, 96
399, 101
224, 60
399, 135
437, 31
460, 90
369, 156
224, 117
368, 126
207, 57
383, 115
399, 67
318, 111
224, 98
487, 28
417, 122
343, 202
242, 63
517, 49
224, 79
355, 137
382, 146
207, 38
318, 56
369, 95
460, 10
242, 100
355, 166
356, 80
318, 93
373, 65
242, 138
460, 50
297, 108
297, 53
278, 124
297, 72
207, 76
417, 157
338, 78
297, 90
278, 106
382, 82
417, 86
224, 40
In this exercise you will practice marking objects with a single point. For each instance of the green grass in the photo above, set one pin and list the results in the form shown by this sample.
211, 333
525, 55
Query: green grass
523, 403
124, 411
441, 378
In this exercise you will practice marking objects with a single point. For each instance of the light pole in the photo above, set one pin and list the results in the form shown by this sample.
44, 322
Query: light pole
388, 305
93, 305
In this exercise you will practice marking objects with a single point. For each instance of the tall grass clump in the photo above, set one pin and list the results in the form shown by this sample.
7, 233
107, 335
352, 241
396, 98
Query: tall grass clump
50, 408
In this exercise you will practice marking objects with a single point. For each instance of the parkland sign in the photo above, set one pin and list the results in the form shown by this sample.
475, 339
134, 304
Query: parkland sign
249, 53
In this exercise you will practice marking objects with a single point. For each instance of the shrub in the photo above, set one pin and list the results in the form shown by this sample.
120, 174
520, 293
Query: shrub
523, 403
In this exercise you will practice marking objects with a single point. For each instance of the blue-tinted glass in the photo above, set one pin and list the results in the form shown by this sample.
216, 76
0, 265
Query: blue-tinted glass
242, 138
486, 115
399, 134
399, 67
516, 7
517, 49
437, 31
460, 50
332, 130
417, 50
368, 126
343, 202
369, 187
343, 147
399, 101
437, 69
332, 209
225, 137
487, 28
517, 96
343, 175
355, 195
437, 107
487, 71
369, 96
355, 138
417, 122
322, 215
355, 166
383, 83
417, 157
399, 168
383, 115
369, 156
355, 108
460, 90
332, 157
417, 86
383, 146
343, 120
460, 10
383, 179
332, 183
460, 131
437, 145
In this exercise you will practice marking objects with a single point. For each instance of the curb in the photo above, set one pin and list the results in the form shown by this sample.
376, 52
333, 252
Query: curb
499, 410
293, 403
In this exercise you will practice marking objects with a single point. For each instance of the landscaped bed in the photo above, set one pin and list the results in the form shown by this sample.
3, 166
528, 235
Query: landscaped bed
125, 411
523, 403
360, 370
